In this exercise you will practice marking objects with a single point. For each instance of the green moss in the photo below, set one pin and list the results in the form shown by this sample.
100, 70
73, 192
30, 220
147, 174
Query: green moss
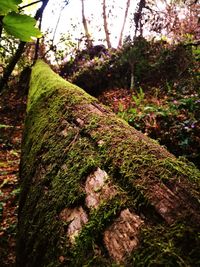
181, 167
176, 246
41, 85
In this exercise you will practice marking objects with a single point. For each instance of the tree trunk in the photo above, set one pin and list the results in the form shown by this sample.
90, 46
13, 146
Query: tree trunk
85, 25
124, 22
96, 192
105, 24
132, 84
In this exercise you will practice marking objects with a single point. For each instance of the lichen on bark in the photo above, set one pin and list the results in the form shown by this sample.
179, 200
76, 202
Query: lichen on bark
85, 174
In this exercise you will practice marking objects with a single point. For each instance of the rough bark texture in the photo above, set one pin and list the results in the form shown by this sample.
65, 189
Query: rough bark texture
96, 192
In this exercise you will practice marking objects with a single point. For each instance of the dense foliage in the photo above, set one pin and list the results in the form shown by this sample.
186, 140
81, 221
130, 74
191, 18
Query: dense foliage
164, 102
153, 63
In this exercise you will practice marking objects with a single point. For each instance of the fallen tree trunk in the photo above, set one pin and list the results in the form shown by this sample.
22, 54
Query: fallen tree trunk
96, 192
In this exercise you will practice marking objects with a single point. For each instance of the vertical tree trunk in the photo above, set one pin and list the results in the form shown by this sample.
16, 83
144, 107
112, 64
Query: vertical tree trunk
105, 24
85, 25
124, 22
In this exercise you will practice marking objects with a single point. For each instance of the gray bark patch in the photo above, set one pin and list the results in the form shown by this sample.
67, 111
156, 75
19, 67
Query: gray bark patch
98, 188
76, 218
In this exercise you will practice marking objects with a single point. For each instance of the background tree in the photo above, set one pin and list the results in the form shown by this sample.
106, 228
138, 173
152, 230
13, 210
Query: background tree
85, 25
124, 22
105, 24
178, 21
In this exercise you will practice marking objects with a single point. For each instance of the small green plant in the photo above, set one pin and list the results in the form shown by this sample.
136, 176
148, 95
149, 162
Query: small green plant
169, 87
139, 97
122, 112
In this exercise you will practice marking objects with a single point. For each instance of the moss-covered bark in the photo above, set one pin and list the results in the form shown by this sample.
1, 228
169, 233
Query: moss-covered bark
96, 192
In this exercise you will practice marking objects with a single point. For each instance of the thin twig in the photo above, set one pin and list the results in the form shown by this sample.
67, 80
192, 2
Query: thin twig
25, 6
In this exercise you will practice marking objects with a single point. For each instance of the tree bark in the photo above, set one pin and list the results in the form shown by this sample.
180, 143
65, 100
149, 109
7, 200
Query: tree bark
124, 22
96, 192
105, 24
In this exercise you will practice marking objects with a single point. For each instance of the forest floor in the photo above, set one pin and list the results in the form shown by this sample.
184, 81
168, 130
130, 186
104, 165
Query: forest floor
12, 110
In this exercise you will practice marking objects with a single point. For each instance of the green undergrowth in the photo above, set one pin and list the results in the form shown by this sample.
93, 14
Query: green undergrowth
171, 117
58, 154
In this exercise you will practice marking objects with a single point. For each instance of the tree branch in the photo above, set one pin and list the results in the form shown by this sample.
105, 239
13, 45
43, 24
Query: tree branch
22, 7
